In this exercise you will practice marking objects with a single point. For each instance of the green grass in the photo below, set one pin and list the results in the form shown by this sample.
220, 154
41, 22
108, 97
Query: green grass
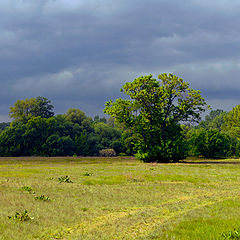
119, 198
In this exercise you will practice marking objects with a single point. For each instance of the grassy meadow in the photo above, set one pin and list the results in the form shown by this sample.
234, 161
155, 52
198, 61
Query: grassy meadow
118, 198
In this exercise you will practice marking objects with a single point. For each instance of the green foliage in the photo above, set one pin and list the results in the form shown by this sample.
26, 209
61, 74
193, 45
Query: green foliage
57, 136
209, 143
106, 133
12, 141
22, 217
215, 120
154, 112
28, 189
129, 139
42, 198
172, 149
58, 146
118, 146
104, 136
107, 153
42, 108
87, 174
98, 119
218, 121
36, 132
65, 179
4, 125
75, 115
23, 110
231, 235
232, 122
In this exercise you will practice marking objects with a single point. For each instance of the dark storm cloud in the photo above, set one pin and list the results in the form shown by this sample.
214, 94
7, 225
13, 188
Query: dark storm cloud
78, 53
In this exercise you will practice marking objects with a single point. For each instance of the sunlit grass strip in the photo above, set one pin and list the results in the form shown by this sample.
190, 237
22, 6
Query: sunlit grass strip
148, 219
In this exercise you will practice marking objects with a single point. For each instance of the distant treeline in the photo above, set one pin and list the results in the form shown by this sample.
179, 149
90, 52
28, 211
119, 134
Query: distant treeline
218, 136
36, 131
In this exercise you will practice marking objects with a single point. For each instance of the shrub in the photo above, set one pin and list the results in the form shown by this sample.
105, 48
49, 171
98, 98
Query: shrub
87, 174
210, 143
65, 179
107, 152
21, 216
231, 235
28, 189
42, 198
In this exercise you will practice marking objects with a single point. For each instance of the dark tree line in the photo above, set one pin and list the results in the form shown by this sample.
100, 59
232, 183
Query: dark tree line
159, 122
217, 136
36, 131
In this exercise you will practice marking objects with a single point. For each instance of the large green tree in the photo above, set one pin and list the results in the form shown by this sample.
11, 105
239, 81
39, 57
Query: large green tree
153, 113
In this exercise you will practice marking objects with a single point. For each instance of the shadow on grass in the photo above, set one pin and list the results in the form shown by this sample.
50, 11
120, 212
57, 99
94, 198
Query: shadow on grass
210, 162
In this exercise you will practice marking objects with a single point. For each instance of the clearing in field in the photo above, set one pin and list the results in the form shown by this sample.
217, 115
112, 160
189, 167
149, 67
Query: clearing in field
117, 198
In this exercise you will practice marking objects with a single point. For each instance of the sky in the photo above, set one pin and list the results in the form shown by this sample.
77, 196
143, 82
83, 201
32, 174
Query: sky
78, 53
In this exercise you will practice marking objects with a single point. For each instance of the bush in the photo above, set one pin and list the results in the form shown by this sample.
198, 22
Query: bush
107, 152
65, 179
42, 198
28, 189
210, 143
21, 216
231, 235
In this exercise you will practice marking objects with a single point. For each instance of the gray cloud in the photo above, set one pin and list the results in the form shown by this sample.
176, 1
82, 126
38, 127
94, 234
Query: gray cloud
78, 53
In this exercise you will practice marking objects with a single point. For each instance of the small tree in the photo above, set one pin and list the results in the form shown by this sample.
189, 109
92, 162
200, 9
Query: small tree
154, 112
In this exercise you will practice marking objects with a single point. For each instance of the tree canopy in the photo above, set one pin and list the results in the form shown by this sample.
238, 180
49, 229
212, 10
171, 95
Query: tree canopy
214, 120
232, 122
154, 112
35, 131
154, 123
23, 110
